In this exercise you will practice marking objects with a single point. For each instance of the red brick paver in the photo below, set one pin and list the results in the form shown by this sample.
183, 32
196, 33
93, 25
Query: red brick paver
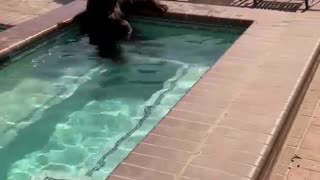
13, 12
300, 157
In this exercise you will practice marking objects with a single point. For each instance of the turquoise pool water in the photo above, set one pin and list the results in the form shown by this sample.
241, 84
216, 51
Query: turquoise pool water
66, 113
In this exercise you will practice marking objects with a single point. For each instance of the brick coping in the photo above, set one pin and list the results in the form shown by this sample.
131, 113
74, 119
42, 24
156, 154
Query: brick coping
225, 127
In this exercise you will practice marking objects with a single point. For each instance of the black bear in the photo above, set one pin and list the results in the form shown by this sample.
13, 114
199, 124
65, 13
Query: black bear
101, 20
103, 26
104, 21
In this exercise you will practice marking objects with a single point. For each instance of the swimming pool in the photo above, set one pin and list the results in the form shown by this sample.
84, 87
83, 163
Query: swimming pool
66, 113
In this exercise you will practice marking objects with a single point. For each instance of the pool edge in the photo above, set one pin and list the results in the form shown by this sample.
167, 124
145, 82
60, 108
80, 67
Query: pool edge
26, 33
13, 42
30, 31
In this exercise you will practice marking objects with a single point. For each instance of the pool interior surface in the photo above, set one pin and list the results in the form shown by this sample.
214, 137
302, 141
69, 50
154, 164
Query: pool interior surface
66, 113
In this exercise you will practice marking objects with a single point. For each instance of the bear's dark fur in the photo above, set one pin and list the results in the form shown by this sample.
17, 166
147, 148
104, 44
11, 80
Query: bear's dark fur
103, 26
104, 21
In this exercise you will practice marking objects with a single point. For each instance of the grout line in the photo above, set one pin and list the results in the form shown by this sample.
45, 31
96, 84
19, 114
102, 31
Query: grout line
304, 133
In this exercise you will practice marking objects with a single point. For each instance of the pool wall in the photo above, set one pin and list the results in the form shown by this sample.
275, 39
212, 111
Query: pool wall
243, 101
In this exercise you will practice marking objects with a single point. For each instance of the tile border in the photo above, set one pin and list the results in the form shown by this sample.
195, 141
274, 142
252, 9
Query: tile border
31, 31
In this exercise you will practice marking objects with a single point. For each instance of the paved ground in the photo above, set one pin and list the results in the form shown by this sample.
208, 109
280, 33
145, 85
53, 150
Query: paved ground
282, 5
302, 140
300, 156
16, 11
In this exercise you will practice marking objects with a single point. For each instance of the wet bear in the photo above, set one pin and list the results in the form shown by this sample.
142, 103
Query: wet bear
103, 26
104, 21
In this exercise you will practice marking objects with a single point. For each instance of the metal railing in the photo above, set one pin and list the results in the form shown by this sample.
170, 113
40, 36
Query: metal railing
306, 2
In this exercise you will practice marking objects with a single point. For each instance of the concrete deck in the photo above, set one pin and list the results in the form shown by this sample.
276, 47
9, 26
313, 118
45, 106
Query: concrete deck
14, 12
225, 126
